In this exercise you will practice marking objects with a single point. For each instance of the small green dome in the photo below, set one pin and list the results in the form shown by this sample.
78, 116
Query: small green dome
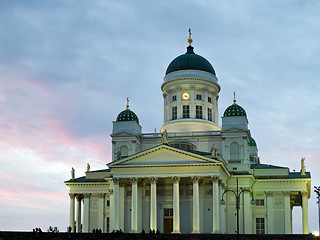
190, 61
252, 142
127, 115
234, 110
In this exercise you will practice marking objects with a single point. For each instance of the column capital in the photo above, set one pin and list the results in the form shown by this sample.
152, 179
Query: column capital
115, 180
215, 178
269, 194
304, 193
79, 197
195, 179
134, 180
175, 179
86, 195
110, 191
101, 195
153, 179
72, 195
286, 194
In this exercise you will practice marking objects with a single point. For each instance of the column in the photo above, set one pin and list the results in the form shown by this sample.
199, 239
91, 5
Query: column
115, 204
215, 206
111, 210
176, 206
78, 224
86, 213
71, 223
247, 213
101, 203
153, 204
121, 205
196, 214
134, 206
269, 212
287, 213
304, 212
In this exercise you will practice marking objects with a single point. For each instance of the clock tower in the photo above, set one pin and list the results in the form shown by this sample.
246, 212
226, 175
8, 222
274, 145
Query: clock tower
190, 92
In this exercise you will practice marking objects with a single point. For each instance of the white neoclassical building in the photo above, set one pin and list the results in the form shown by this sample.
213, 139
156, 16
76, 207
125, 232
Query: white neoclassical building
185, 179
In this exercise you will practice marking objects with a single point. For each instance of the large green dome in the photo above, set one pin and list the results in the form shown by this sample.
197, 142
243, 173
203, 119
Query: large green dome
127, 115
190, 61
234, 110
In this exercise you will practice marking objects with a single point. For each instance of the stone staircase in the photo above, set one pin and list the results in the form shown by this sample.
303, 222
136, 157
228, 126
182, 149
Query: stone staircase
127, 236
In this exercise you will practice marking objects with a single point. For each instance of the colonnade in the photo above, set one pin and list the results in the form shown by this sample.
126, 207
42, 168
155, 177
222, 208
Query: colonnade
75, 223
217, 213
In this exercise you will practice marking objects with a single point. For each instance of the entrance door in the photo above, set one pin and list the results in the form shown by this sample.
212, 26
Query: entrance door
167, 220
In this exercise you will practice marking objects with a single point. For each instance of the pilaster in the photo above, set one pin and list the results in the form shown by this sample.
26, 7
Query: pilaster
287, 213
269, 212
101, 212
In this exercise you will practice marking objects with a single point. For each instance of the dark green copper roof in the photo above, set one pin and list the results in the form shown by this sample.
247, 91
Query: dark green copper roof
127, 115
252, 142
188, 61
234, 110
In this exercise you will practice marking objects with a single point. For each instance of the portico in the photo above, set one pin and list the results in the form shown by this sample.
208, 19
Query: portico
160, 194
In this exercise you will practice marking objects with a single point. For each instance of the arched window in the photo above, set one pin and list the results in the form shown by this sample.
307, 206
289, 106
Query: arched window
124, 151
234, 151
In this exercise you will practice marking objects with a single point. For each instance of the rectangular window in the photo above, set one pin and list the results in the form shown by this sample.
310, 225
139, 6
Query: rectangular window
168, 212
209, 99
108, 203
259, 225
199, 112
199, 97
108, 224
174, 113
259, 202
174, 98
209, 114
185, 111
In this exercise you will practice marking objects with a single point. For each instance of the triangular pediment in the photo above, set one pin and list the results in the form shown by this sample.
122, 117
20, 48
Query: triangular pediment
235, 130
123, 134
164, 156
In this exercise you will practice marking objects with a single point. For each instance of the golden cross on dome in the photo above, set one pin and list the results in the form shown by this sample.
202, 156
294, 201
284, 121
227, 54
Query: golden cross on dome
234, 97
189, 39
127, 103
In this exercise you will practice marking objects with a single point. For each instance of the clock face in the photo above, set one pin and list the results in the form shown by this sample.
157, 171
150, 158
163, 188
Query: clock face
185, 96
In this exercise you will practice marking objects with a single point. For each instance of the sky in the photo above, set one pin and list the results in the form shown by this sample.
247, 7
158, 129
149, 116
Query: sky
67, 67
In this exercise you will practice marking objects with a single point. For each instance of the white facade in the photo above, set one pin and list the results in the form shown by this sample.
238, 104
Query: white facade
173, 181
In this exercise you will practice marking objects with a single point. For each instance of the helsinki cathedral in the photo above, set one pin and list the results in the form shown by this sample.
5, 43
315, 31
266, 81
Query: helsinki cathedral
194, 176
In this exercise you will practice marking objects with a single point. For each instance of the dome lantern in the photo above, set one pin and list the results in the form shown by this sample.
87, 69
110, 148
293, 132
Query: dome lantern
127, 114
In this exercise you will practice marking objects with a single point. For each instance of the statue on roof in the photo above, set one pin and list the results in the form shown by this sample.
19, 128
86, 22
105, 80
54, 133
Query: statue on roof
72, 173
118, 154
303, 167
214, 151
88, 167
164, 137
